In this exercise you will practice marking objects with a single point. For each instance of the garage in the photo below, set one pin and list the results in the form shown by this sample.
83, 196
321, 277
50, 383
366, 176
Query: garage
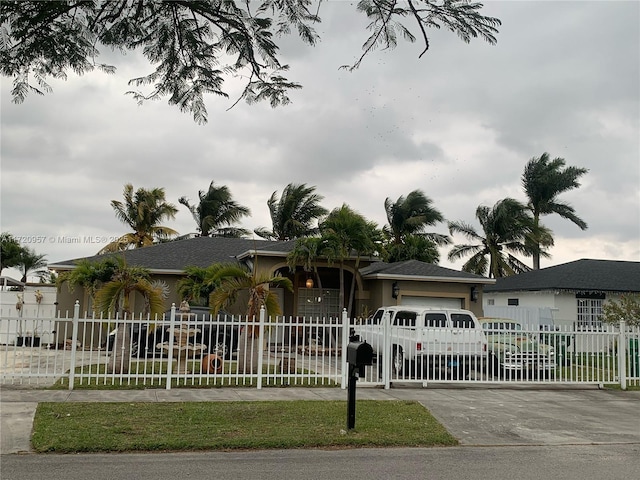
436, 302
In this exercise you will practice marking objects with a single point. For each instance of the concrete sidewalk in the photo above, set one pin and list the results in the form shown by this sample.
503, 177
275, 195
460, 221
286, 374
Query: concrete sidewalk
475, 415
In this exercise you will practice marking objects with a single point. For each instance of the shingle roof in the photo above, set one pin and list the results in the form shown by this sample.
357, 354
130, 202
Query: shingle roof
416, 268
175, 256
581, 276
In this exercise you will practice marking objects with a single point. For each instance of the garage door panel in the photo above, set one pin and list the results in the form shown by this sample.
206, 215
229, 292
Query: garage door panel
437, 302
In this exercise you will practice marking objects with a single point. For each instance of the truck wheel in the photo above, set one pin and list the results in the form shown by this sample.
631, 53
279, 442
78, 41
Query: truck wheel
397, 361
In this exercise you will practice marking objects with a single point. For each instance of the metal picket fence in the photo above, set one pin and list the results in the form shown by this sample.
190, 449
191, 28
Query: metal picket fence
184, 350
177, 350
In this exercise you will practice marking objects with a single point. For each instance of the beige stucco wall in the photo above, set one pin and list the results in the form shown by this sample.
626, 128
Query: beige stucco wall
380, 293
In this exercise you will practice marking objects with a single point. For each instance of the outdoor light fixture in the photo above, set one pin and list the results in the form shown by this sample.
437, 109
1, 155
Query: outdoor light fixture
474, 294
395, 290
309, 283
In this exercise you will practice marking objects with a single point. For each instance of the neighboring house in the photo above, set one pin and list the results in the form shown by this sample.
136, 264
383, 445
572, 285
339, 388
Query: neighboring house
376, 284
574, 291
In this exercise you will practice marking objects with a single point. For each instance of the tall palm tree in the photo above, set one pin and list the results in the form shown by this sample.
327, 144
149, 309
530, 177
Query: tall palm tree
115, 297
31, 263
407, 219
543, 180
294, 214
234, 279
413, 247
143, 211
505, 228
345, 232
216, 212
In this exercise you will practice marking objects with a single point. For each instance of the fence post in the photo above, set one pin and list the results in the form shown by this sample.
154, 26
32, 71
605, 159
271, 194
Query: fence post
345, 341
263, 314
74, 343
172, 330
386, 348
622, 355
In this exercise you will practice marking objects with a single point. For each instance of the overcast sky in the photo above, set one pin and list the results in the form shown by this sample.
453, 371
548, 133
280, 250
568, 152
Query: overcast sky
459, 124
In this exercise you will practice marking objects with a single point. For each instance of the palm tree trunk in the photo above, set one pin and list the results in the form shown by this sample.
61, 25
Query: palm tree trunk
249, 347
353, 287
341, 296
536, 251
119, 361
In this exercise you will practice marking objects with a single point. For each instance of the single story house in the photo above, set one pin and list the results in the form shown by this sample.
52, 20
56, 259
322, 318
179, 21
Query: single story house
574, 291
316, 293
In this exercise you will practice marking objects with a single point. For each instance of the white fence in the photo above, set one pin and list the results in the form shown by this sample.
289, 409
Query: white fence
185, 351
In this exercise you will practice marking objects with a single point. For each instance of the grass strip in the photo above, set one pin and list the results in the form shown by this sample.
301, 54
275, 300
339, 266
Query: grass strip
189, 426
152, 375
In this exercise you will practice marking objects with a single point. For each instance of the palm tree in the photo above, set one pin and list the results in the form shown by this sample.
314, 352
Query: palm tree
142, 211
31, 263
410, 216
234, 279
89, 275
293, 215
306, 252
344, 232
115, 297
505, 227
543, 180
10, 250
216, 213
199, 283
414, 247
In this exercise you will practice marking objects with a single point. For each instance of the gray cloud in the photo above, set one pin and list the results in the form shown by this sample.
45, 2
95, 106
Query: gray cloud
460, 124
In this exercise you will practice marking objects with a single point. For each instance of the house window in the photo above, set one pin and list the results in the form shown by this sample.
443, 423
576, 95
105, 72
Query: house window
590, 311
491, 301
513, 302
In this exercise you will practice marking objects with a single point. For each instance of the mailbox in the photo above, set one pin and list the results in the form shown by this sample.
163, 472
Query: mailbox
359, 354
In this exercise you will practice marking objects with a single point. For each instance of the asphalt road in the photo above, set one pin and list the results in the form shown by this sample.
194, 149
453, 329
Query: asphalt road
570, 462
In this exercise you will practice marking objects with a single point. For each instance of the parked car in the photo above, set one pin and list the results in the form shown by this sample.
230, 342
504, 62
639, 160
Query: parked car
219, 334
428, 338
513, 350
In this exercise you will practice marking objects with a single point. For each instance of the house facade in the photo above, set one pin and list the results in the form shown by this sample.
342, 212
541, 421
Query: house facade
575, 291
316, 292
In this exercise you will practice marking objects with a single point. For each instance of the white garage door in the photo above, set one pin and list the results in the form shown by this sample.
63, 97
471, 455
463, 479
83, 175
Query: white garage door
439, 302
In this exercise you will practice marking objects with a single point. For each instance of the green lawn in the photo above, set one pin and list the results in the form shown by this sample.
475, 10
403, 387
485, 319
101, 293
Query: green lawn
127, 427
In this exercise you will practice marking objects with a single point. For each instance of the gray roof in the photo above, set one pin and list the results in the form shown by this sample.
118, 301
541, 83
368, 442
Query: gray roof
175, 256
579, 276
419, 270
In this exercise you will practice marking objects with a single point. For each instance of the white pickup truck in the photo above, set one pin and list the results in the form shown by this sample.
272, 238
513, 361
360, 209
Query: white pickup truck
429, 339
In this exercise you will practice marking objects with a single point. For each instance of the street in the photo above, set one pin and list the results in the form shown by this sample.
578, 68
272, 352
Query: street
570, 462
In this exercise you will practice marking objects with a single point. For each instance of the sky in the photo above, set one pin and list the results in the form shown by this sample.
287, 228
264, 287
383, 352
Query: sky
460, 124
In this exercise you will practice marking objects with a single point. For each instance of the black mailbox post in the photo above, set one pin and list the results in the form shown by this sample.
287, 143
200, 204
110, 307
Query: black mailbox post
359, 355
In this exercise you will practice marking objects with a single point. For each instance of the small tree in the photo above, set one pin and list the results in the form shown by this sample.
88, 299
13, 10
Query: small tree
88, 275
627, 309
32, 263
235, 279
115, 297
